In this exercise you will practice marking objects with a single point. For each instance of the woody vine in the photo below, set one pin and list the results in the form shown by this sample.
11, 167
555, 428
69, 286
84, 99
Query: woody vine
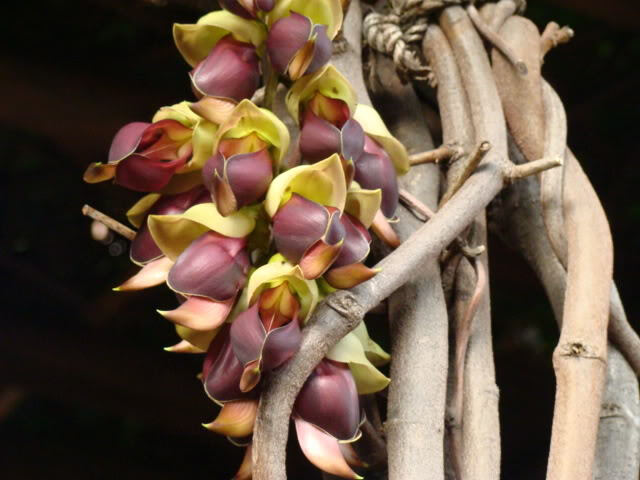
261, 196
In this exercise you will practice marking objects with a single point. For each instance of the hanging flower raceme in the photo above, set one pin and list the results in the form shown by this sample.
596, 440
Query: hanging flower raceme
223, 50
249, 147
326, 412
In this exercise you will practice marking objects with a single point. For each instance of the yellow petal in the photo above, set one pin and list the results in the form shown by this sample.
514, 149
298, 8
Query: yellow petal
363, 204
182, 182
152, 274
328, 81
322, 182
367, 377
139, 210
246, 118
180, 112
373, 126
323, 12
199, 339
183, 347
174, 233
195, 41
199, 314
214, 109
236, 418
99, 172
376, 355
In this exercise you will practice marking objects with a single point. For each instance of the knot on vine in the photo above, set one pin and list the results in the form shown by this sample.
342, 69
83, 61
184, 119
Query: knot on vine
390, 35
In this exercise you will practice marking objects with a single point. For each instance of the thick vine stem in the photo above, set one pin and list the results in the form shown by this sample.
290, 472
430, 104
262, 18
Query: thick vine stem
417, 311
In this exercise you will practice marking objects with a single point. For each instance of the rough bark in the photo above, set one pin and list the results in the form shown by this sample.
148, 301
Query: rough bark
417, 311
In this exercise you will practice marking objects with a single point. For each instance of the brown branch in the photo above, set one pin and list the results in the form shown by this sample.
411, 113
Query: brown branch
109, 222
494, 39
419, 348
533, 168
552, 36
470, 166
444, 152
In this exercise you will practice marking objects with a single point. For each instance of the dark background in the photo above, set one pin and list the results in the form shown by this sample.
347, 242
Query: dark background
86, 390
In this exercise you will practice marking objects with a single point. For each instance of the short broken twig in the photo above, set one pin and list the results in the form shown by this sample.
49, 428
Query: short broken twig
472, 163
532, 168
109, 222
553, 36
444, 152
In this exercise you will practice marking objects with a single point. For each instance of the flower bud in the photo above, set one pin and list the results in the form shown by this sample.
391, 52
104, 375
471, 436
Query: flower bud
231, 70
374, 169
308, 234
239, 174
297, 47
329, 400
222, 370
248, 9
213, 266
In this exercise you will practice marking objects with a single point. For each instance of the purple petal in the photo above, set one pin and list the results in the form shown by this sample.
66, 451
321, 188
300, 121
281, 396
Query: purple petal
221, 371
281, 344
298, 225
143, 174
329, 400
208, 269
356, 242
126, 141
318, 138
247, 335
250, 175
286, 37
374, 169
214, 165
265, 5
322, 49
231, 70
235, 7
352, 137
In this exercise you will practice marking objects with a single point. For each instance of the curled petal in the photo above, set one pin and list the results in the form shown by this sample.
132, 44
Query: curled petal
325, 12
334, 110
174, 233
152, 274
319, 139
213, 109
375, 170
329, 400
222, 370
286, 37
199, 313
352, 137
126, 141
356, 242
329, 83
143, 174
236, 418
363, 204
351, 351
199, 339
246, 467
349, 276
322, 450
318, 258
249, 176
383, 230
144, 248
278, 305
351, 456
195, 41
251, 376
322, 182
213, 266
376, 355
231, 70
183, 347
247, 335
280, 344
99, 172
374, 127
322, 49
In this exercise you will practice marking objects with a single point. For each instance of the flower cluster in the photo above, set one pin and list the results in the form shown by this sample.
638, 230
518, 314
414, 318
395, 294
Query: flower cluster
250, 248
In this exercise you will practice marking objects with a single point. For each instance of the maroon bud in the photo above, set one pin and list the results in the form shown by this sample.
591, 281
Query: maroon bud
320, 139
247, 8
231, 70
222, 370
329, 400
143, 247
309, 234
213, 266
374, 169
296, 47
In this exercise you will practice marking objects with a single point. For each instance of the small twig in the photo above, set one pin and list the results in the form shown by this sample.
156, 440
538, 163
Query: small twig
470, 167
443, 152
463, 333
416, 205
552, 36
114, 225
532, 168
496, 40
